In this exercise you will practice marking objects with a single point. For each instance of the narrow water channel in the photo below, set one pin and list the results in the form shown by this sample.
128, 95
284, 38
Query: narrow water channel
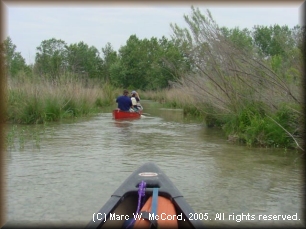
64, 172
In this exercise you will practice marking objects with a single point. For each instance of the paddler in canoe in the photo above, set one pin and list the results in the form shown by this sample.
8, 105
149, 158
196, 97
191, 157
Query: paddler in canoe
124, 102
136, 101
129, 104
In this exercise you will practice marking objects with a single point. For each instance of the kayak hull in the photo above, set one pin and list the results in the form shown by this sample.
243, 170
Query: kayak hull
125, 199
117, 114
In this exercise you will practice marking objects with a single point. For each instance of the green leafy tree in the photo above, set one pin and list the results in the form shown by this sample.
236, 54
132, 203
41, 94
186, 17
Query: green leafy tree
118, 73
148, 63
51, 58
14, 62
133, 58
242, 39
298, 35
273, 40
109, 58
282, 48
83, 60
172, 61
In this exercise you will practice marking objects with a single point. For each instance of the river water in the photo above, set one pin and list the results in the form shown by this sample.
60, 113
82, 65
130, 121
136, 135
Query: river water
64, 172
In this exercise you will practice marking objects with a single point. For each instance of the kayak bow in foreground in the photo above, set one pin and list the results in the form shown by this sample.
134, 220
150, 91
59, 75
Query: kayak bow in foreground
146, 199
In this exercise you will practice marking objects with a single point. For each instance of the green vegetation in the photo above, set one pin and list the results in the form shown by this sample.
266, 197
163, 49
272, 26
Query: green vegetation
248, 82
40, 101
20, 135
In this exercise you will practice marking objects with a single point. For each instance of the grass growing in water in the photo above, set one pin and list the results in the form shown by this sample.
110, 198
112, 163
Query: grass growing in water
40, 100
253, 126
20, 135
253, 123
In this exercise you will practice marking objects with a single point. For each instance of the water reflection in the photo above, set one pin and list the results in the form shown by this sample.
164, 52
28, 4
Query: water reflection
123, 123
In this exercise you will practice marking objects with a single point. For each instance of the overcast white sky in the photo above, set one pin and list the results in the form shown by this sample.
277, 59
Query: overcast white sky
29, 25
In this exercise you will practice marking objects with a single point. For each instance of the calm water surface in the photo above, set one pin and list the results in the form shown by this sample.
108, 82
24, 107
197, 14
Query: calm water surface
65, 172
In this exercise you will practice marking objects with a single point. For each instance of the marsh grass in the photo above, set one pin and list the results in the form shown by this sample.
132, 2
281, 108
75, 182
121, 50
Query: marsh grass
253, 126
248, 121
39, 100
174, 98
10, 137
20, 135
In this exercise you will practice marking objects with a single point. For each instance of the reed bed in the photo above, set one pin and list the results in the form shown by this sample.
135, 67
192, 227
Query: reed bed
268, 119
175, 98
39, 100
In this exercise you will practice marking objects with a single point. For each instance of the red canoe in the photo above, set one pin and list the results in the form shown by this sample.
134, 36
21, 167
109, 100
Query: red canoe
117, 114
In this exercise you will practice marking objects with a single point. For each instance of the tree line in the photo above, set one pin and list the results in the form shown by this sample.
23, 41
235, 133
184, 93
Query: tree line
142, 64
151, 64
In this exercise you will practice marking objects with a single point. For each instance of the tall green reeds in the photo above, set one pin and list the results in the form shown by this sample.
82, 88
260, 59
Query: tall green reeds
39, 100
253, 126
